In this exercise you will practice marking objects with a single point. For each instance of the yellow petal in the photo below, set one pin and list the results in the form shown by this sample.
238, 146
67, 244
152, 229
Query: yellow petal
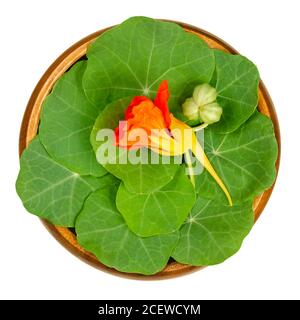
201, 156
167, 147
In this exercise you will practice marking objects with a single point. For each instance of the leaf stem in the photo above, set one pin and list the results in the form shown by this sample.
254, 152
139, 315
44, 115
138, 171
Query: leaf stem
190, 167
201, 127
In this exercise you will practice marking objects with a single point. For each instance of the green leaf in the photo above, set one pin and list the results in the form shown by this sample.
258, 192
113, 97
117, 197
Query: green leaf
101, 229
160, 211
66, 122
244, 160
237, 81
140, 177
52, 191
134, 57
213, 232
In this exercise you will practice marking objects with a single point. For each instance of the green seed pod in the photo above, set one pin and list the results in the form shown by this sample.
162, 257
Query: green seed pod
202, 107
190, 109
210, 113
204, 94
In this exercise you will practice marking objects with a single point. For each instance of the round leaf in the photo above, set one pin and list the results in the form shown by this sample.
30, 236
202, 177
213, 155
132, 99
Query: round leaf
237, 81
66, 122
134, 57
160, 211
213, 232
52, 191
101, 229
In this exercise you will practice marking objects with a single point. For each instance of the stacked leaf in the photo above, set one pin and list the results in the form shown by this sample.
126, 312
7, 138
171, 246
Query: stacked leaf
134, 217
102, 230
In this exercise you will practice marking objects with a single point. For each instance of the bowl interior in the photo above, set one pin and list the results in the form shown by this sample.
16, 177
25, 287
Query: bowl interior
30, 125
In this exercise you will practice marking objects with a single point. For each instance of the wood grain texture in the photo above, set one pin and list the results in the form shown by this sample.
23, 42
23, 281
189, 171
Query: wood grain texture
30, 125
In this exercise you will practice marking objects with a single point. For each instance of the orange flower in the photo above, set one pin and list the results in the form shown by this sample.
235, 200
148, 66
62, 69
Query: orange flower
156, 128
143, 113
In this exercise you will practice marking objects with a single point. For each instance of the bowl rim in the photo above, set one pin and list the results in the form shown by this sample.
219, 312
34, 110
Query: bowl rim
30, 123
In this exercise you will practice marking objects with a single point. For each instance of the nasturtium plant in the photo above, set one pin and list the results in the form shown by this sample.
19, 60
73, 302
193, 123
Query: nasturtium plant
101, 229
133, 58
137, 177
50, 190
160, 211
213, 232
135, 216
67, 119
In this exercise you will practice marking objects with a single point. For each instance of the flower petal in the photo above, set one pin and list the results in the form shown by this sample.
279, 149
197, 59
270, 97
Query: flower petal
161, 101
135, 102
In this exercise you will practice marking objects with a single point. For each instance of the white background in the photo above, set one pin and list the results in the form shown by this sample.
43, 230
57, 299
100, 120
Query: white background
34, 265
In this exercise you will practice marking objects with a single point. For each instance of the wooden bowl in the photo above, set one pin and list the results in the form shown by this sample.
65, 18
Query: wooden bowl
30, 125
